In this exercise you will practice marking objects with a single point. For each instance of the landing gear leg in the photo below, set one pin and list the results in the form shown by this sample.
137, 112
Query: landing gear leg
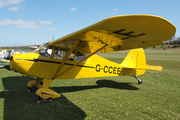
34, 85
139, 81
45, 94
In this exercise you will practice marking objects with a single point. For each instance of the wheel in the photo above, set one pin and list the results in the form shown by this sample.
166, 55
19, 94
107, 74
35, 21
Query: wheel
140, 82
32, 89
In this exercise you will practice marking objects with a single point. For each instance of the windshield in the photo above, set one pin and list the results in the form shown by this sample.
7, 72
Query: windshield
42, 46
43, 50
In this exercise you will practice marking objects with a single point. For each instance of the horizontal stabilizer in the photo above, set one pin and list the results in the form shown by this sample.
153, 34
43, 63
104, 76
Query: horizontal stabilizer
149, 67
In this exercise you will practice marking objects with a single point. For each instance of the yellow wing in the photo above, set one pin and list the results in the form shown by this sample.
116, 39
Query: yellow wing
120, 33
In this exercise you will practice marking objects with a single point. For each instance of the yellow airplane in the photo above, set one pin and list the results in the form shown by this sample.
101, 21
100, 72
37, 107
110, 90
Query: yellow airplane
73, 56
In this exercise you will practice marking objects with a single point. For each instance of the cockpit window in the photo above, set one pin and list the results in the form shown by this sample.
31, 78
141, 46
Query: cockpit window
44, 50
41, 47
57, 53
60, 54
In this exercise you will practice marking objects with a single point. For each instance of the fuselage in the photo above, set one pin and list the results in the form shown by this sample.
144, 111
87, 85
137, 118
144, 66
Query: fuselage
37, 65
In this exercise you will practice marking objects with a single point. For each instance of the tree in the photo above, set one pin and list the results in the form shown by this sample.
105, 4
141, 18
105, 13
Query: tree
170, 40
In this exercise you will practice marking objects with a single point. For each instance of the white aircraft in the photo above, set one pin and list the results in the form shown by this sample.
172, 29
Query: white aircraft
5, 56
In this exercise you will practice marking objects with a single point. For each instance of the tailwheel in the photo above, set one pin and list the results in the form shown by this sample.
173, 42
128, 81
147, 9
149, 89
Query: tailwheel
43, 100
139, 81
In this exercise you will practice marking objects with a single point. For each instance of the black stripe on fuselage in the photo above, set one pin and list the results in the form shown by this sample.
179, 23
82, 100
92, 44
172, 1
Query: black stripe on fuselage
48, 61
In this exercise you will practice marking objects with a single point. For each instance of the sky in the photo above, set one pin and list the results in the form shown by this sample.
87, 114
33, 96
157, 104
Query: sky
25, 22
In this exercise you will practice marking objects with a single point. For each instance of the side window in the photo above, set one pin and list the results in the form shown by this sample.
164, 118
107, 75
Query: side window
58, 54
61, 55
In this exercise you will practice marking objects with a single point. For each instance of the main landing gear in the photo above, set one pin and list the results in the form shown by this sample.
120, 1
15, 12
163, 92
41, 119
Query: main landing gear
40, 99
31, 86
41, 87
139, 81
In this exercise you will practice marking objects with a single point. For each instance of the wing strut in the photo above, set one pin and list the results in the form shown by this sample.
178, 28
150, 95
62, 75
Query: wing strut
66, 57
81, 60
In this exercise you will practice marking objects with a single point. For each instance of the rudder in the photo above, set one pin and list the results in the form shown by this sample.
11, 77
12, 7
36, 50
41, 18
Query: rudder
135, 59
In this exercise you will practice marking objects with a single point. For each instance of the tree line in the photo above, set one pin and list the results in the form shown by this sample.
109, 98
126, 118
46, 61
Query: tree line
16, 47
174, 40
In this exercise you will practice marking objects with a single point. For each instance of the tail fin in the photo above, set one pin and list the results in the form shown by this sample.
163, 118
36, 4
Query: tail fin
136, 60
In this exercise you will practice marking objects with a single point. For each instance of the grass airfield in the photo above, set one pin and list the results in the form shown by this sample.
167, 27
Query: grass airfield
108, 98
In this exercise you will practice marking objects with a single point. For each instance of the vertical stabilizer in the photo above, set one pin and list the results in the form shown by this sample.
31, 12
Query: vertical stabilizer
135, 59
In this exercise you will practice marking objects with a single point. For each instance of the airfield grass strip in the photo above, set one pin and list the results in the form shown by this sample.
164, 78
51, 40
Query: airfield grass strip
107, 98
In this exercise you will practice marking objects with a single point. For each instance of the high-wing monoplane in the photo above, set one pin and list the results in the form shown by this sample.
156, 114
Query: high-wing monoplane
74, 56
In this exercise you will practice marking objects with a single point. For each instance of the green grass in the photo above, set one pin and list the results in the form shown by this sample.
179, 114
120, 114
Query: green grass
107, 98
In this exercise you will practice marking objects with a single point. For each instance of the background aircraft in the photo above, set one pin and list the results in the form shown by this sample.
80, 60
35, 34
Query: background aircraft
73, 56
5, 55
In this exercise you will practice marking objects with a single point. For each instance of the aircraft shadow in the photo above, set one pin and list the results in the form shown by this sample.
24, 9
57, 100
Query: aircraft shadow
100, 84
19, 104
8, 68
